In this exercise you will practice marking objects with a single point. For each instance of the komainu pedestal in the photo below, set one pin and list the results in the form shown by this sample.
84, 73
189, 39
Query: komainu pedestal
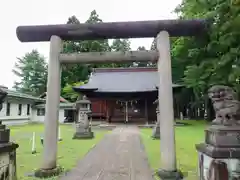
219, 156
7, 155
83, 128
7, 149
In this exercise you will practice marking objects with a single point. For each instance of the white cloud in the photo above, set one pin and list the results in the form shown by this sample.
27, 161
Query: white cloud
33, 12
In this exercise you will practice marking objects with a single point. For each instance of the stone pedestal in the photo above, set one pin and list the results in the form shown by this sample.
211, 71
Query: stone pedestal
8, 168
219, 156
7, 155
82, 132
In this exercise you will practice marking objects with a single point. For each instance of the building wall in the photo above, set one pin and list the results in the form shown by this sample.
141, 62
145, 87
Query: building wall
14, 117
110, 110
98, 107
40, 118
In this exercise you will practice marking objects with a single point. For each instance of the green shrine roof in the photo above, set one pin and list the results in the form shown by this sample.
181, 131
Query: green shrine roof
16, 94
23, 95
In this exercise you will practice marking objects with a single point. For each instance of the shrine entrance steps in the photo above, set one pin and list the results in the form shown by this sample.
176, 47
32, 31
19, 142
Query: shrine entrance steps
119, 156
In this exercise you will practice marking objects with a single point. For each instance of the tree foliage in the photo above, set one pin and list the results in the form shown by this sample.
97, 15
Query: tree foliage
122, 45
69, 93
143, 64
73, 73
32, 71
154, 44
213, 58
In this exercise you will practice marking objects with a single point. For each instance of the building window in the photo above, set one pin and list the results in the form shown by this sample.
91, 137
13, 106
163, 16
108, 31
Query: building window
8, 109
28, 109
65, 113
20, 109
40, 112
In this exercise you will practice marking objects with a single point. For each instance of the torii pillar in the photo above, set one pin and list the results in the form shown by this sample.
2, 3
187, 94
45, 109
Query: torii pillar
165, 98
49, 165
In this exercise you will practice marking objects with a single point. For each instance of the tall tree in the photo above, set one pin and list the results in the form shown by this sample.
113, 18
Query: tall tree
94, 45
154, 44
141, 48
214, 58
72, 73
80, 72
69, 93
142, 64
32, 71
122, 45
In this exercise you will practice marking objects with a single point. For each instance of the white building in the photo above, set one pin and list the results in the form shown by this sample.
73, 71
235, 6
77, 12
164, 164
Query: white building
20, 108
66, 110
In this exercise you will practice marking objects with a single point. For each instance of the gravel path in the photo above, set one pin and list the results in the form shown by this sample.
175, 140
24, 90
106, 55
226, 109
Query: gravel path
119, 156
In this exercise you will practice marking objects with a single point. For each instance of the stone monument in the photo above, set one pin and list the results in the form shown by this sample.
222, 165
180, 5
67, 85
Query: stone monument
219, 156
83, 128
7, 148
156, 128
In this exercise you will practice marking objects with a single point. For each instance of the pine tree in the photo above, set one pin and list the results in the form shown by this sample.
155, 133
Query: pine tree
32, 71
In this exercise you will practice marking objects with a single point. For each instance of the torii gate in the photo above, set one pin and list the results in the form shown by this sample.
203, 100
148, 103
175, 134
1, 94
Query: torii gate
161, 29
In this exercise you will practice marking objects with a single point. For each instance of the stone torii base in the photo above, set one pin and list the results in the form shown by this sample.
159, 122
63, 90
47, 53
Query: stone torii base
46, 173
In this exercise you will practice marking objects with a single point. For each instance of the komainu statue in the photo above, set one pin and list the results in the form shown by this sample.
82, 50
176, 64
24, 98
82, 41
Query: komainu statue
225, 104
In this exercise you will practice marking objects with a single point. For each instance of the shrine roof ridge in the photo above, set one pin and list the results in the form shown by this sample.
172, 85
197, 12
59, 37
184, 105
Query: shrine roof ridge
123, 81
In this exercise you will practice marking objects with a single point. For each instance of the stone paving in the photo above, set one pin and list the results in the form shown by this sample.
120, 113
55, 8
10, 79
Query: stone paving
119, 156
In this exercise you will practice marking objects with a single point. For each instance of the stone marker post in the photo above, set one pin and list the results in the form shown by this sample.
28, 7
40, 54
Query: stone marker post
156, 128
83, 129
8, 168
165, 98
219, 155
34, 150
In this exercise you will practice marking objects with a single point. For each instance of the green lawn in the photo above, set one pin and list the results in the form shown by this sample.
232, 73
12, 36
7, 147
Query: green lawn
186, 138
69, 151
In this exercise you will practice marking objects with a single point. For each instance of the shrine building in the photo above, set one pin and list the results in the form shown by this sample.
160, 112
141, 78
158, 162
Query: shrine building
123, 94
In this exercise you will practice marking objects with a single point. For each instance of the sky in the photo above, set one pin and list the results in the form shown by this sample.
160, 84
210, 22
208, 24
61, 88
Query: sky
37, 12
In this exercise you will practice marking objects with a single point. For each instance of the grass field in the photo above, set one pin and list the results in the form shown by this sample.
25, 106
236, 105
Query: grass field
69, 151
186, 138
